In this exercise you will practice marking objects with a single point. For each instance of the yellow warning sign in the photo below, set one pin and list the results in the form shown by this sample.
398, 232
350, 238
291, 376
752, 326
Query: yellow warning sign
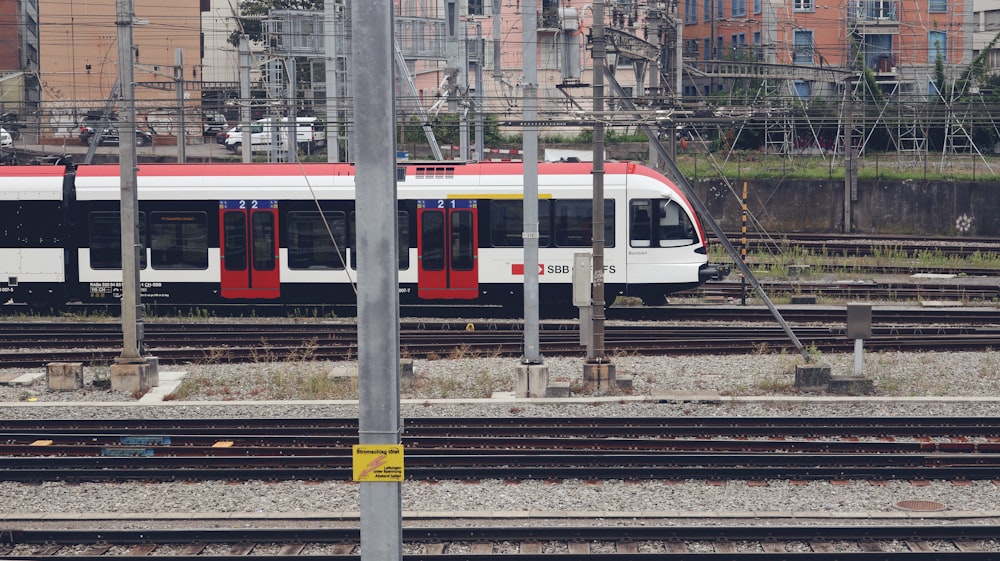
378, 462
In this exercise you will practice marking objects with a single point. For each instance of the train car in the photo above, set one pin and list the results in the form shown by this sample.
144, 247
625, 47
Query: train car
284, 233
33, 203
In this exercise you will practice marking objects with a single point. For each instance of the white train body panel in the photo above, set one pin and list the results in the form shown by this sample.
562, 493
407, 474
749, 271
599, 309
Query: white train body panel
207, 198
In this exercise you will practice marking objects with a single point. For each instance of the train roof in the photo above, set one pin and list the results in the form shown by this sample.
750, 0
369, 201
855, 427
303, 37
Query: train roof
31, 182
428, 169
337, 180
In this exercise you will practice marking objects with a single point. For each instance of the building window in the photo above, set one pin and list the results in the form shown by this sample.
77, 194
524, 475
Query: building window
708, 10
708, 49
477, 8
991, 20
803, 6
756, 6
803, 47
690, 11
937, 46
738, 8
739, 45
937, 6
802, 89
719, 9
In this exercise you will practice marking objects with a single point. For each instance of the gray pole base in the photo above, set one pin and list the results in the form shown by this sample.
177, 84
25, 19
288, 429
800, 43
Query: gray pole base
135, 377
599, 375
531, 380
64, 376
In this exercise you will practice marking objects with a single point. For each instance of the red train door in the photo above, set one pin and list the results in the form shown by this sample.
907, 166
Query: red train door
447, 249
248, 248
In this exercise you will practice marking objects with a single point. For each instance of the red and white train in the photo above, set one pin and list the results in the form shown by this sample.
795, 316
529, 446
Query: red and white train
252, 233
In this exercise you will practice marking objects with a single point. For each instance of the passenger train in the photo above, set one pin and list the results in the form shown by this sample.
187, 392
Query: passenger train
252, 233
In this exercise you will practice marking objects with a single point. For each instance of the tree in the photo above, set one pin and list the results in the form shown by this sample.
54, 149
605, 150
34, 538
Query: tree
250, 19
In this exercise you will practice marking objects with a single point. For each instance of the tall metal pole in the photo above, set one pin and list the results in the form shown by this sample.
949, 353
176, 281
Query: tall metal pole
246, 139
480, 52
532, 354
132, 316
179, 84
332, 99
378, 271
596, 347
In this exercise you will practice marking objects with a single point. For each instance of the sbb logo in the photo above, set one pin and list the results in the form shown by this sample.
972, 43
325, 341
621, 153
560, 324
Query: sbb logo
557, 269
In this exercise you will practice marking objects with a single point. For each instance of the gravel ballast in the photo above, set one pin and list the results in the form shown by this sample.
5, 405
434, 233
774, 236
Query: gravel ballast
907, 384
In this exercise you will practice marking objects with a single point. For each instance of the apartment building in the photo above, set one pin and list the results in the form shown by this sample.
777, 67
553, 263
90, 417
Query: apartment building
79, 60
901, 41
19, 56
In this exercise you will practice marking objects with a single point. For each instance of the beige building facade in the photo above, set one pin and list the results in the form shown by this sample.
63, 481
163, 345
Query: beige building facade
79, 61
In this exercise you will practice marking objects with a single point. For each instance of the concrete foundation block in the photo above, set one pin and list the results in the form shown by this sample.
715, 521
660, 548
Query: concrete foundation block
600, 375
804, 299
134, 377
811, 377
624, 383
531, 380
64, 376
851, 385
406, 368
406, 372
557, 389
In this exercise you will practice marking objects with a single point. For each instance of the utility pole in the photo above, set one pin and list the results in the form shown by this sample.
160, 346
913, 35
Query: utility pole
131, 372
179, 85
246, 138
597, 371
379, 421
532, 375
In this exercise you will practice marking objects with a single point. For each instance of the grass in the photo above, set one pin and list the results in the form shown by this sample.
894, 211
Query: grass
872, 166
788, 261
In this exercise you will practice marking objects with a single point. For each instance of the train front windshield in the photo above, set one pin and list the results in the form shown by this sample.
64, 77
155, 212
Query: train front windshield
659, 223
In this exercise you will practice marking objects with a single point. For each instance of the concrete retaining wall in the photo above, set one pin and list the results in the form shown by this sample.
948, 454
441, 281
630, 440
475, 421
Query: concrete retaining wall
938, 208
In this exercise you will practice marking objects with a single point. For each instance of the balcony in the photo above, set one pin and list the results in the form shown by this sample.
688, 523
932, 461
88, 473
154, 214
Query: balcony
883, 64
874, 13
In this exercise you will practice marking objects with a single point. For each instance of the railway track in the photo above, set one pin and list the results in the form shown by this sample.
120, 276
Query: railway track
27, 345
874, 290
529, 542
508, 449
867, 245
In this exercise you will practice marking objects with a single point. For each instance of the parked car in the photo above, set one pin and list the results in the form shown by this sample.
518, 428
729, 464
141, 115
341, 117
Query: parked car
110, 136
214, 123
310, 134
6, 140
10, 122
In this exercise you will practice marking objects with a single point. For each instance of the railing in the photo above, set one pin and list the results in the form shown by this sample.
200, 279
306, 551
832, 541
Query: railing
875, 11
420, 37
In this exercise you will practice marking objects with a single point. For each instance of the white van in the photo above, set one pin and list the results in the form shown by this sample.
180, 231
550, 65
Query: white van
310, 134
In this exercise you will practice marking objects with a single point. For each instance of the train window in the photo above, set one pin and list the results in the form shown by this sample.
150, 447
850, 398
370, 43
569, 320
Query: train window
263, 241
234, 226
432, 241
507, 223
105, 240
574, 223
309, 244
403, 222
640, 223
178, 240
403, 228
463, 250
673, 227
